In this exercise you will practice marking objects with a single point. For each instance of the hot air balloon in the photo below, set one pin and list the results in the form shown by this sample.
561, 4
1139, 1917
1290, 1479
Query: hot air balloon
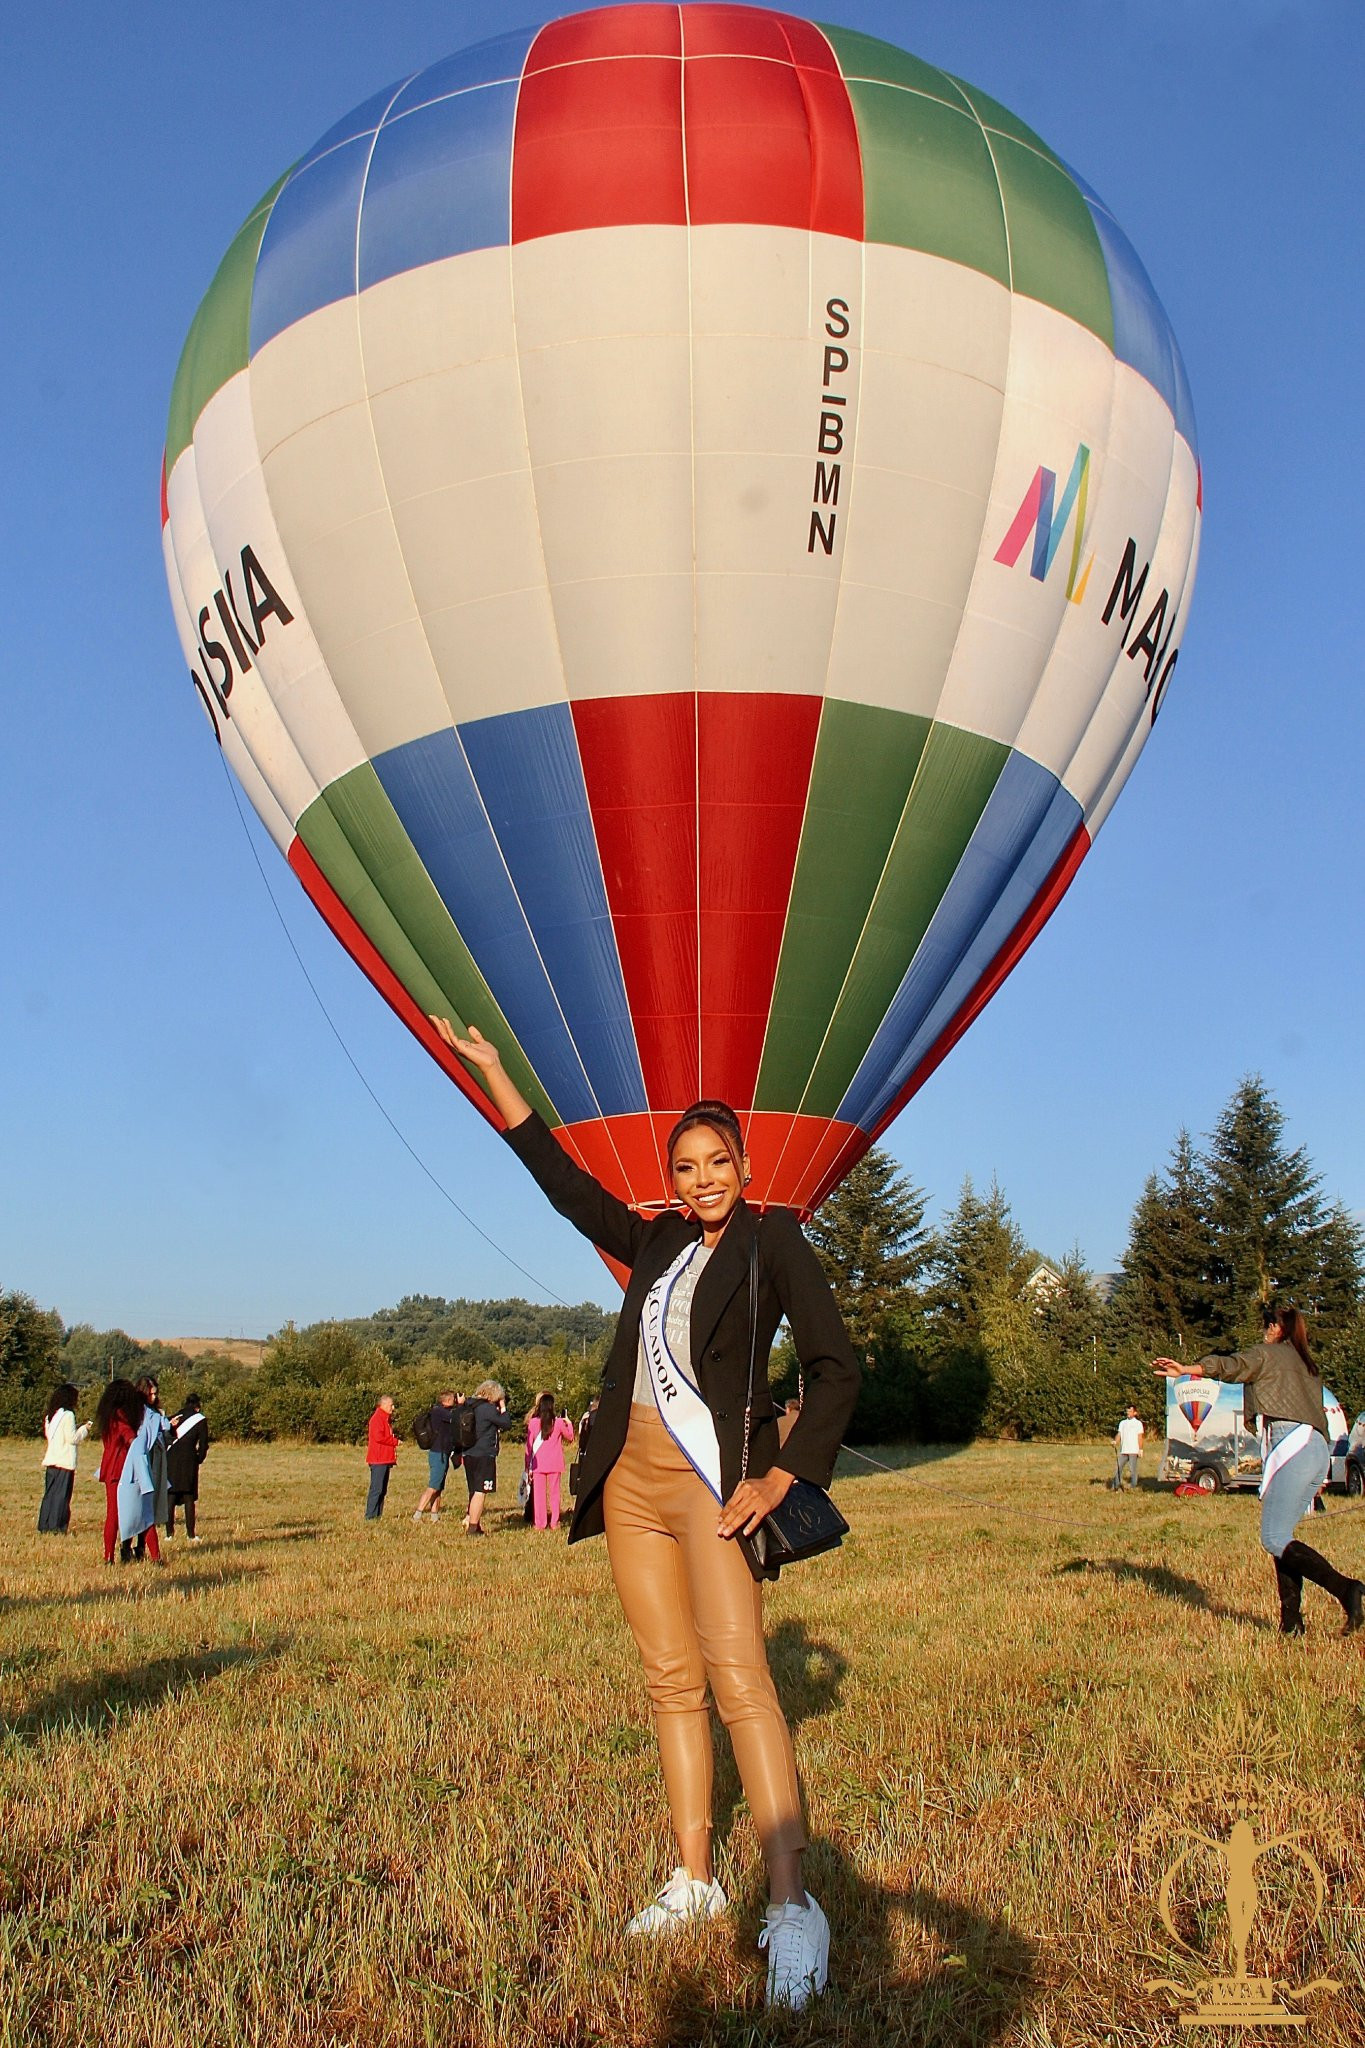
681, 521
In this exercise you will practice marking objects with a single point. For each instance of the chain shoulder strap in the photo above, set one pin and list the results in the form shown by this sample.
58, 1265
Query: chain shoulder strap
753, 1351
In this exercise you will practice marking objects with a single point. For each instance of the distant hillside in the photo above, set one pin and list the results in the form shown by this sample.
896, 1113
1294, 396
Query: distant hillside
245, 1350
474, 1331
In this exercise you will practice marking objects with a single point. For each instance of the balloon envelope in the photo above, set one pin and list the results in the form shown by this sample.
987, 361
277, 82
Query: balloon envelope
682, 521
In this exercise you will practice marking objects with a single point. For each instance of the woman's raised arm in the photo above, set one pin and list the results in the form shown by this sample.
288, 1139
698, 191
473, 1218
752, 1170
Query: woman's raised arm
476, 1051
591, 1208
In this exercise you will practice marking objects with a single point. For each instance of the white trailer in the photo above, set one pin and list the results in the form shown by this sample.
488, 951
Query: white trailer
1211, 1439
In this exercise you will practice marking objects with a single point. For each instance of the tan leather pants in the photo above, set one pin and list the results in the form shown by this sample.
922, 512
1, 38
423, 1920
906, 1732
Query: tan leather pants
696, 1614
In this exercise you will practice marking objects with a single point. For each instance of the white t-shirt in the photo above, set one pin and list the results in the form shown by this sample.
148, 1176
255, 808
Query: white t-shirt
1130, 1436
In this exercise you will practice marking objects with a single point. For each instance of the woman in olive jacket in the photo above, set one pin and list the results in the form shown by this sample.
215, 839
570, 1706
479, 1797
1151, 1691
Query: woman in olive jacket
1286, 1390
663, 1495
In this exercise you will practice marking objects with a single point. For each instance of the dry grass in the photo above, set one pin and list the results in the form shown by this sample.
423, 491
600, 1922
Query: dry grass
317, 1782
242, 1350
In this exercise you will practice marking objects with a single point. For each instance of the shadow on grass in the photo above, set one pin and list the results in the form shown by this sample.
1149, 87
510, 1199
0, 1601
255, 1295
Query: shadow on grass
972, 1994
97, 1705
874, 1461
1159, 1578
134, 1582
294, 1532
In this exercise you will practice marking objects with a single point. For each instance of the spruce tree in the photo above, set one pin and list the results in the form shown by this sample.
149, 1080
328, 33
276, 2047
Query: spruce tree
1164, 1294
980, 1253
1267, 1213
872, 1240
1333, 1307
1069, 1316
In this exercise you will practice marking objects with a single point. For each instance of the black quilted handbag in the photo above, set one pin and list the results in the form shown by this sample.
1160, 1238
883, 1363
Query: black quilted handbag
805, 1521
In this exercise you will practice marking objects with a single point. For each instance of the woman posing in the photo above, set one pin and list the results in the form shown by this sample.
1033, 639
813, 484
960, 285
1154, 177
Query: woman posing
1295, 1452
669, 1499
546, 1435
59, 1460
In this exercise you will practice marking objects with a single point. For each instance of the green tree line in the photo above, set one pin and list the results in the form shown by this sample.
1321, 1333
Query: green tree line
964, 1330
319, 1383
962, 1333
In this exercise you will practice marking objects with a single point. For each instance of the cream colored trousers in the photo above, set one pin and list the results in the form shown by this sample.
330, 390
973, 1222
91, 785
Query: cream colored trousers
696, 1613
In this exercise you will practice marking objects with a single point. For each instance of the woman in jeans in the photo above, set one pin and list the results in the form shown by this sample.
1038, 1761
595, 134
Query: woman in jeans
59, 1460
1286, 1388
669, 1495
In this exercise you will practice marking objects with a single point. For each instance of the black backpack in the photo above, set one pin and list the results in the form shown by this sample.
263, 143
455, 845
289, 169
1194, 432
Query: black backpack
421, 1430
466, 1427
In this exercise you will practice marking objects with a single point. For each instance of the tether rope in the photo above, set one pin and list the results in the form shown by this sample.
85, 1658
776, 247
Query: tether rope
464, 1214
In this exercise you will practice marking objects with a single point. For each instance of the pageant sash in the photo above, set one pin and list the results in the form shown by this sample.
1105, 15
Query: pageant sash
1288, 1447
682, 1409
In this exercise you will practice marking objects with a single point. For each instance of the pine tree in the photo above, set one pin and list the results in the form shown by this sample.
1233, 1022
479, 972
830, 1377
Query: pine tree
1164, 1294
1069, 1316
1333, 1306
980, 1251
872, 1240
1267, 1214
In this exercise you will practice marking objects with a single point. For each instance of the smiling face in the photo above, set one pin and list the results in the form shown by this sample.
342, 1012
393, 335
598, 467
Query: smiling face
708, 1178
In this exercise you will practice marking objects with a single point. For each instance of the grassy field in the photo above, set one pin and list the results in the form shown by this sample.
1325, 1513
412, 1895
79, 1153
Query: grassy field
320, 1782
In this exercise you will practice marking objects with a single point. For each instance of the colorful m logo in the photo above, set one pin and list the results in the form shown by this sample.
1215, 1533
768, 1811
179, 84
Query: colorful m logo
1036, 516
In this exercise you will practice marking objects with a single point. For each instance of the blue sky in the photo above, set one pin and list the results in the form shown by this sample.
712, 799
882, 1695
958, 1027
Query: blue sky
186, 1149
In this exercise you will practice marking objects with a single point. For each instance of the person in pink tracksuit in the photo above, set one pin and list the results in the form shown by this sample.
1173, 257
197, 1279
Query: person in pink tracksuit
546, 1436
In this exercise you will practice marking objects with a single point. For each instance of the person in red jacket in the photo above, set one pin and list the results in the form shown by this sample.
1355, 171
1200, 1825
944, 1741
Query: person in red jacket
117, 1418
381, 1456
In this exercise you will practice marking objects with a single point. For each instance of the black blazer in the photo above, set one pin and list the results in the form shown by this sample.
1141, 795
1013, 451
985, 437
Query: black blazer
791, 1283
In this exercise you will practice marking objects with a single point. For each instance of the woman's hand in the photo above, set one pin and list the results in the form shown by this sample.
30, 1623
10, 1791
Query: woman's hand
1168, 1369
476, 1051
476, 1048
752, 1499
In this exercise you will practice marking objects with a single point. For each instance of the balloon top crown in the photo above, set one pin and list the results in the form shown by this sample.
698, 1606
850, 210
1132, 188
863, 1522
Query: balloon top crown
682, 520
695, 114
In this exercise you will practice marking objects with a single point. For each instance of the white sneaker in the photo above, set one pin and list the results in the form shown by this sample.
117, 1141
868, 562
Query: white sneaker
682, 1899
797, 1941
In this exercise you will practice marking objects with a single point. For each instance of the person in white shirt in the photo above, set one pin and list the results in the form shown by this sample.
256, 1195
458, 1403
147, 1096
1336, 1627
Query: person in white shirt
1128, 1443
59, 1460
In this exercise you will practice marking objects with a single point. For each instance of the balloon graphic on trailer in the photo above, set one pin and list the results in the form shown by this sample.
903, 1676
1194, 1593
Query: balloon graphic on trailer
682, 521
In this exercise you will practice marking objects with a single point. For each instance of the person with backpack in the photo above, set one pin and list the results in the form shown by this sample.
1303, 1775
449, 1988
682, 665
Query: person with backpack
433, 1431
483, 1419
